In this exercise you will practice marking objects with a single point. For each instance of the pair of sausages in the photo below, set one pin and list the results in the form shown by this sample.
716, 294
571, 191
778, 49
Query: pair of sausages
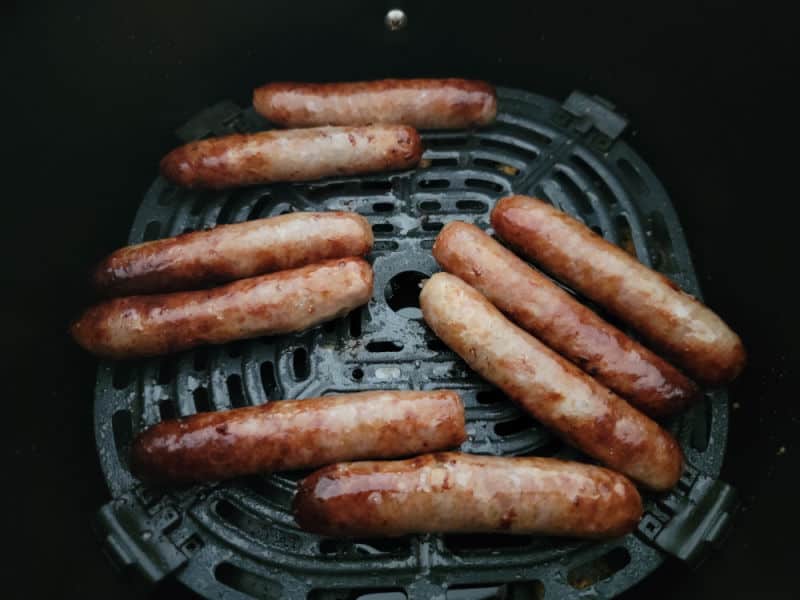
673, 321
555, 317
585, 413
448, 492
318, 278
354, 128
274, 304
298, 434
561, 396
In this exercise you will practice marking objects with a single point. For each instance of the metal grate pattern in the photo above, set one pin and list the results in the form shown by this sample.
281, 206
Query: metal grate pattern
237, 538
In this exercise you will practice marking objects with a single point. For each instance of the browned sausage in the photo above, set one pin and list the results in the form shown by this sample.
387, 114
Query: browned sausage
228, 252
552, 315
672, 320
298, 434
421, 103
294, 155
281, 302
561, 396
461, 493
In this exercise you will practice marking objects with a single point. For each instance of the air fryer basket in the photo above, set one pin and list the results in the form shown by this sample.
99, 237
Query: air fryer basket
238, 539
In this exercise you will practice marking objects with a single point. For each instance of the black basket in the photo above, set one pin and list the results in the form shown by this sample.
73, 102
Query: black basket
238, 538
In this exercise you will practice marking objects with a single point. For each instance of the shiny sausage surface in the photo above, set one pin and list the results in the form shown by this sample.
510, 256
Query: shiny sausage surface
541, 307
298, 434
294, 300
672, 320
462, 493
561, 396
421, 103
228, 252
293, 155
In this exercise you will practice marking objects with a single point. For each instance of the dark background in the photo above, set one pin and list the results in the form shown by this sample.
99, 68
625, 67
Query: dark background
92, 91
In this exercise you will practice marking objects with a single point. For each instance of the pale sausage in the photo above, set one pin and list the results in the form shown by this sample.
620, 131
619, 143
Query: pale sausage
293, 155
421, 103
561, 396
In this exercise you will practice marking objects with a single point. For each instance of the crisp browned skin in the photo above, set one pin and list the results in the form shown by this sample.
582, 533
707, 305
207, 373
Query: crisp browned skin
567, 326
561, 396
451, 492
298, 434
672, 320
294, 155
421, 103
272, 304
228, 252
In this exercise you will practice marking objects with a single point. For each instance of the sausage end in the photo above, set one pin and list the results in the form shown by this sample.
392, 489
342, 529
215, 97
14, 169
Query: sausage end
177, 167
89, 331
664, 477
489, 112
631, 509
307, 507
728, 365
141, 462
366, 230
264, 104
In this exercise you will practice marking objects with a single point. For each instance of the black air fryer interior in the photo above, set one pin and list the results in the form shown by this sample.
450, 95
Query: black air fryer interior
92, 96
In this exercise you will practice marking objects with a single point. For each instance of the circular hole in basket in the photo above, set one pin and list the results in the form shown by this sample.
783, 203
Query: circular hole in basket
402, 293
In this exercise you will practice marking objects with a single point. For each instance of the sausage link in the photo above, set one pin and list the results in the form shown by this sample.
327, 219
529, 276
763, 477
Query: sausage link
298, 434
228, 252
294, 155
451, 492
421, 103
561, 396
138, 326
672, 320
541, 307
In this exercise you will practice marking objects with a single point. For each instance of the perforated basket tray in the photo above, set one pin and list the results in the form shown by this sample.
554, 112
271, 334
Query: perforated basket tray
237, 539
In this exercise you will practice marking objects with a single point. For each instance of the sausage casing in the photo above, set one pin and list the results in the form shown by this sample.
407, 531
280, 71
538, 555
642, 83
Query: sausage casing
298, 434
421, 103
544, 309
672, 320
229, 252
561, 396
137, 326
292, 155
451, 492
